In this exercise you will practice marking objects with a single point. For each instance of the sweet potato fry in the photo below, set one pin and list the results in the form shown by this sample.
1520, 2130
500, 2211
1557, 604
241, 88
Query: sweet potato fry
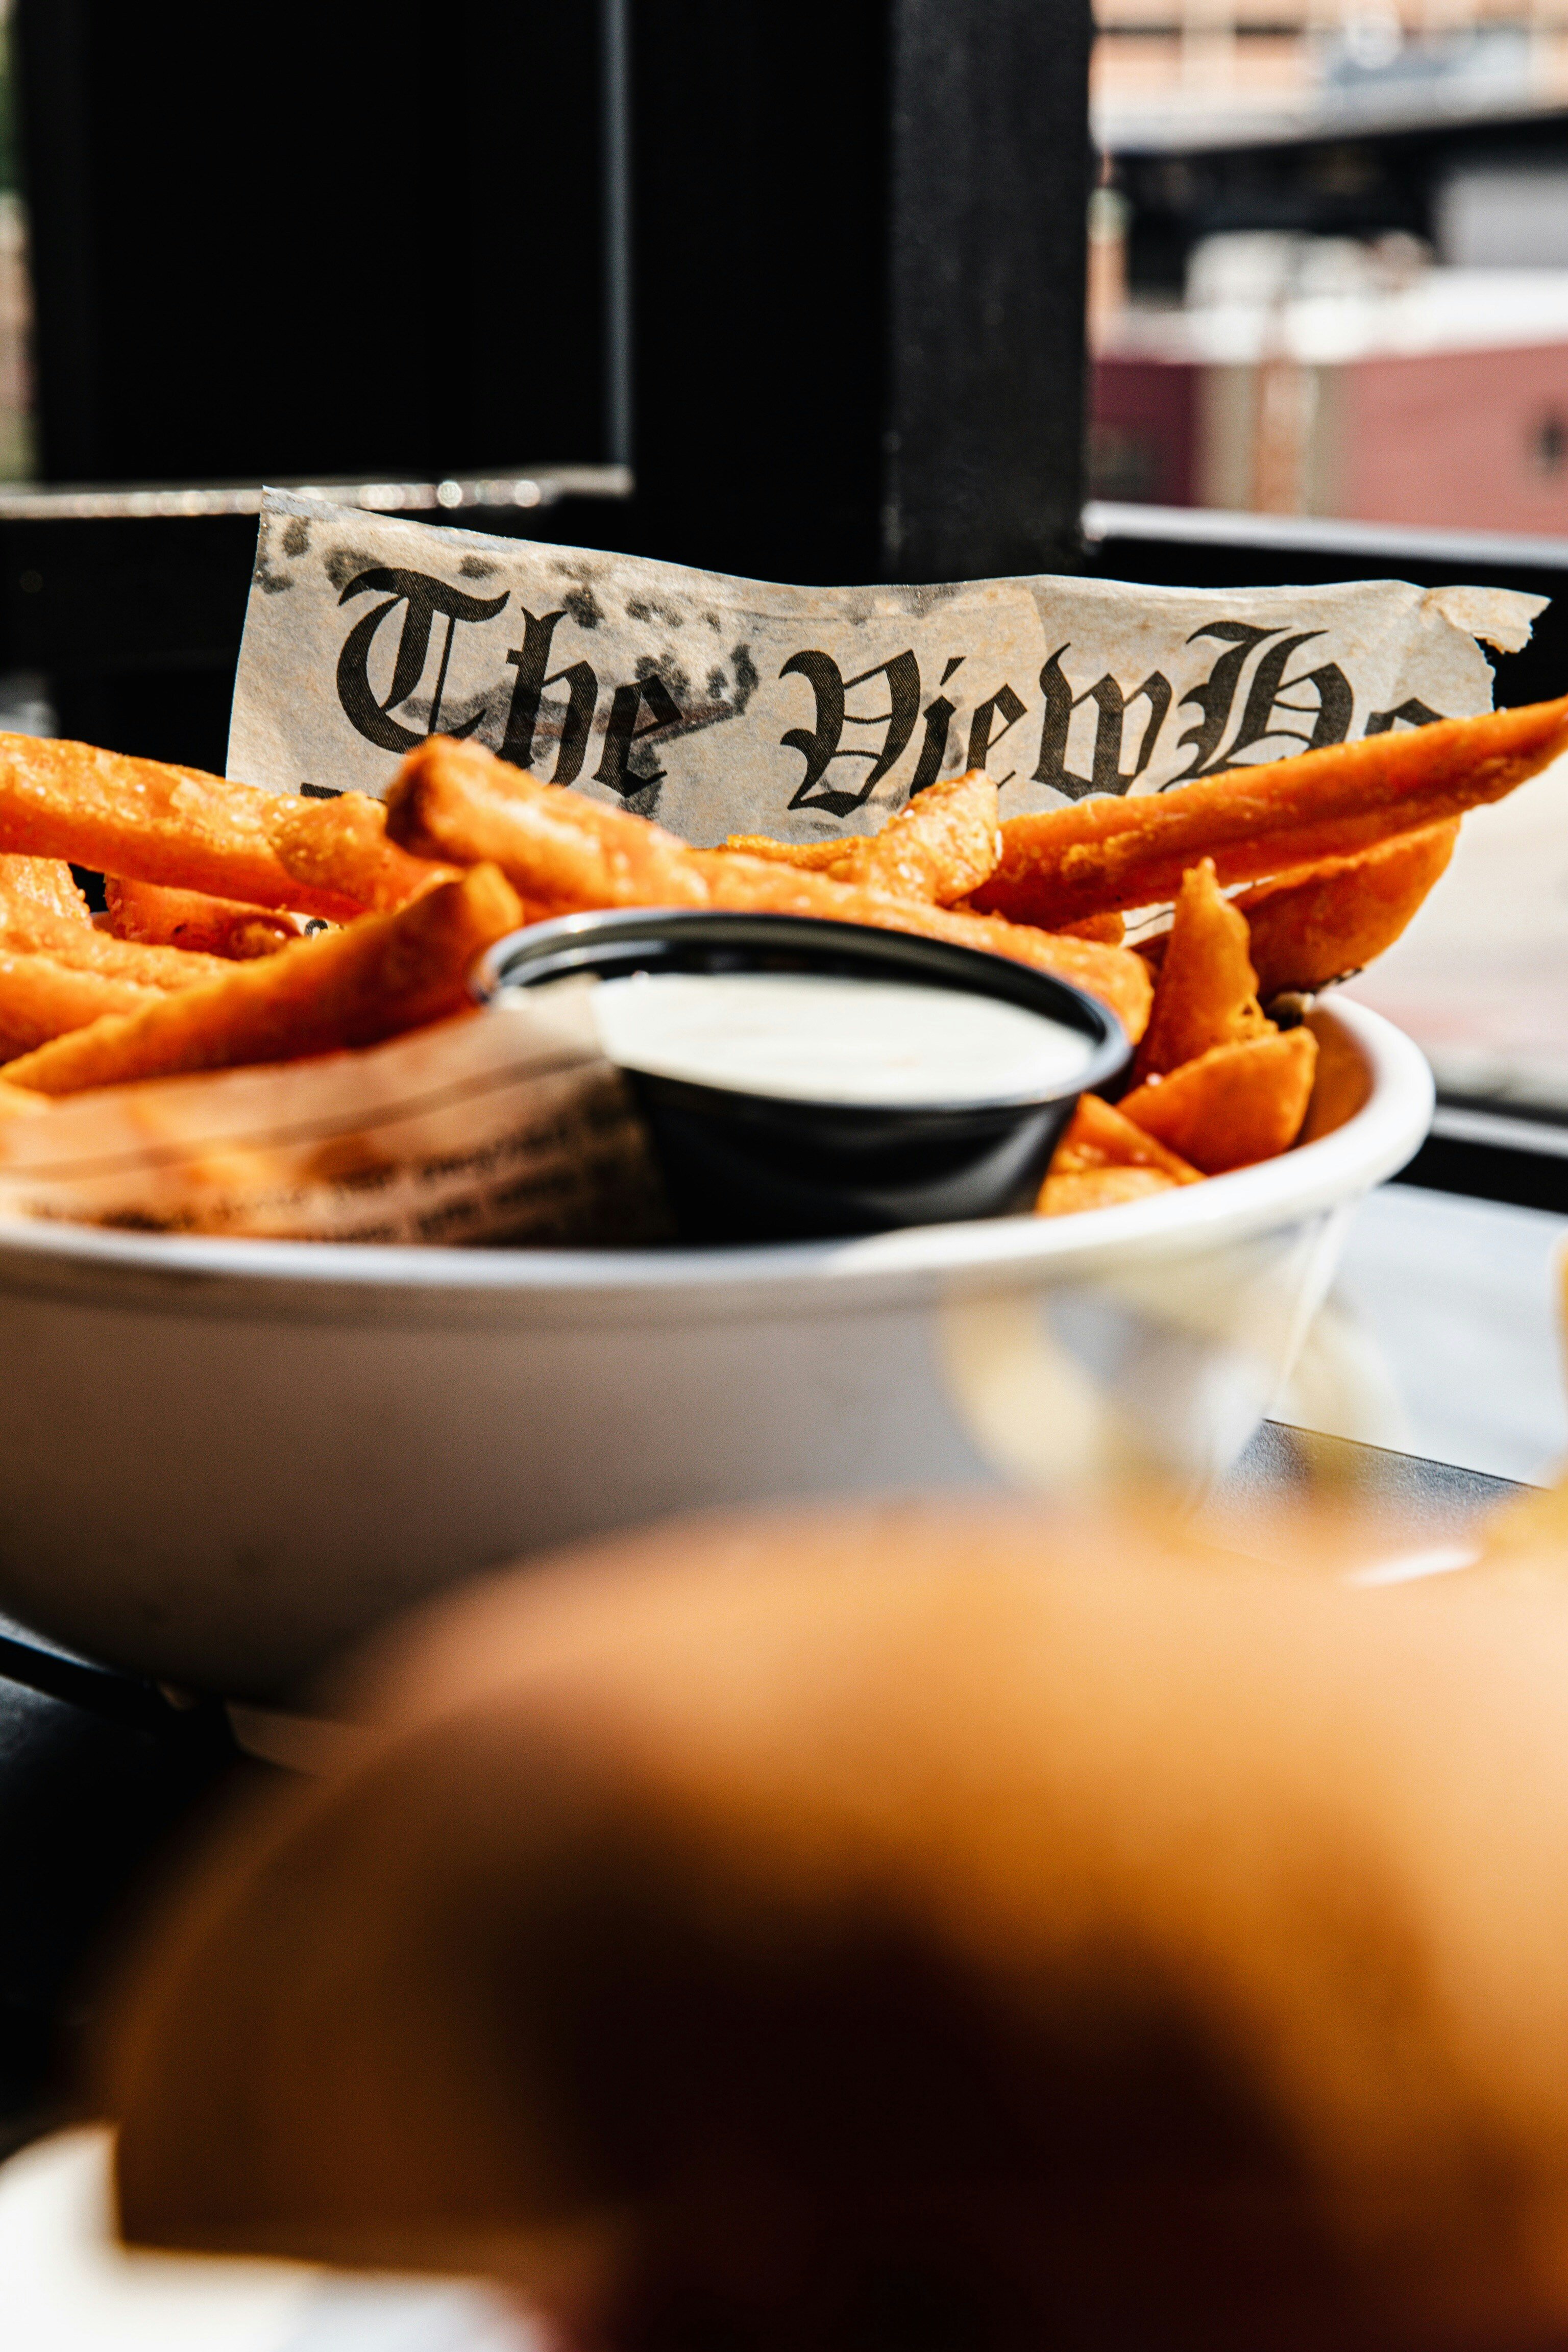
44, 882
27, 927
938, 848
40, 999
1208, 990
1100, 1136
342, 845
150, 823
1098, 1188
810, 857
1104, 853
1108, 929
1342, 1083
378, 977
751, 886
1310, 929
563, 852
152, 915
560, 852
1233, 1106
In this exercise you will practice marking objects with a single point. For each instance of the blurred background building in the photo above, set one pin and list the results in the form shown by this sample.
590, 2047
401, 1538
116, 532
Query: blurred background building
1328, 260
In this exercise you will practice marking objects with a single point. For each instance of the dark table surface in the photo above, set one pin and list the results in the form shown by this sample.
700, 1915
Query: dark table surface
104, 1779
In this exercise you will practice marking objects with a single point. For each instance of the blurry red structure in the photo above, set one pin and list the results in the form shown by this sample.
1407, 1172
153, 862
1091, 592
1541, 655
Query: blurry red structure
1470, 439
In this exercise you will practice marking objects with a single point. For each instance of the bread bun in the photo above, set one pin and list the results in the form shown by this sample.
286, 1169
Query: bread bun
903, 1928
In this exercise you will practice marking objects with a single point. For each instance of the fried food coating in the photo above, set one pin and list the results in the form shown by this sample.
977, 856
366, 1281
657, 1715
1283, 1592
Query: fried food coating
1308, 929
938, 847
563, 852
1207, 993
342, 845
376, 978
1234, 1104
150, 822
151, 914
1100, 1136
1104, 853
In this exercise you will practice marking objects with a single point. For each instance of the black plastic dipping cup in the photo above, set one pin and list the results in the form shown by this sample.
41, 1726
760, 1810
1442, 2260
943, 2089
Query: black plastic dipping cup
759, 1167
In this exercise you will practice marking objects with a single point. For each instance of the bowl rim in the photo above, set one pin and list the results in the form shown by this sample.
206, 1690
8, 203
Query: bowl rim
1374, 1143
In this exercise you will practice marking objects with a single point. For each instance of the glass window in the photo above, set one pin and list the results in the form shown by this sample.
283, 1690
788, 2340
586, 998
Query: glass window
1328, 278
1330, 260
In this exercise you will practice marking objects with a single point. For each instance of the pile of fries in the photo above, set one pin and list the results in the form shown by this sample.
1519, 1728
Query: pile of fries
243, 928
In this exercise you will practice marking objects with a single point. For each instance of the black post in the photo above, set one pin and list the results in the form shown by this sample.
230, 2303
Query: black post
325, 240
858, 263
989, 181
380, 242
51, 45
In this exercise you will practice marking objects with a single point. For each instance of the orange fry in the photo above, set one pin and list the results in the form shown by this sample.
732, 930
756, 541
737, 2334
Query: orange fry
1108, 929
40, 999
154, 915
341, 846
150, 823
44, 882
1100, 1136
939, 848
29, 928
1342, 1083
1233, 1106
378, 977
1098, 1188
1310, 929
751, 886
810, 857
562, 851
1208, 990
1104, 853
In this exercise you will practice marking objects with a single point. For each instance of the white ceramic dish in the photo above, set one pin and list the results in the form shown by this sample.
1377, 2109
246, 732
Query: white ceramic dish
220, 1461
69, 2285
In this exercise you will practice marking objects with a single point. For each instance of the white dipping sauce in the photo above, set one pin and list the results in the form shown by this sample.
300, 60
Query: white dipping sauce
814, 1037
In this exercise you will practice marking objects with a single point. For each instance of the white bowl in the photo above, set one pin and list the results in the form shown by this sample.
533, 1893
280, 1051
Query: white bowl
222, 1460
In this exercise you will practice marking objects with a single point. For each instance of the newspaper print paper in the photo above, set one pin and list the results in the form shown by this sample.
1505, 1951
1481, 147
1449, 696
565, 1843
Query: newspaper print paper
724, 706
502, 1127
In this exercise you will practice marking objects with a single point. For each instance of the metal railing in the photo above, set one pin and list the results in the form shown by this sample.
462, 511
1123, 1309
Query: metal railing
537, 486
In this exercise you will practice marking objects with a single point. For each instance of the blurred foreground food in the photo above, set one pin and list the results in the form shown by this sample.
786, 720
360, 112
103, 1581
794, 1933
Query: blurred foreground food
903, 1928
